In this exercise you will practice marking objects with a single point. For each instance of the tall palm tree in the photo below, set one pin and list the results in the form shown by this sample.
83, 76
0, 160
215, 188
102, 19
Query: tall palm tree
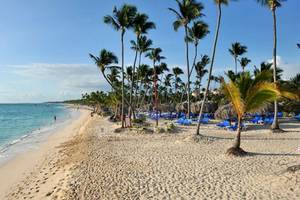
273, 5
244, 62
105, 60
200, 69
237, 50
248, 95
144, 72
121, 20
143, 45
177, 72
155, 56
219, 4
140, 26
197, 32
167, 84
189, 10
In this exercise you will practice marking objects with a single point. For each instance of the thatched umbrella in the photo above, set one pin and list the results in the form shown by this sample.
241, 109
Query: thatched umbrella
209, 107
182, 107
167, 108
225, 112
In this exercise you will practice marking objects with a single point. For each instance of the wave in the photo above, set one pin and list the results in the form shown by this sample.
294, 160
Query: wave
34, 137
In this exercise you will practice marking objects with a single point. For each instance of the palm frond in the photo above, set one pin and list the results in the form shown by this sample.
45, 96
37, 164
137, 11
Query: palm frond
232, 92
261, 95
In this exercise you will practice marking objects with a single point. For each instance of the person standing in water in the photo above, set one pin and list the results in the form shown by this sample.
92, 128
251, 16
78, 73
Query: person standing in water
54, 118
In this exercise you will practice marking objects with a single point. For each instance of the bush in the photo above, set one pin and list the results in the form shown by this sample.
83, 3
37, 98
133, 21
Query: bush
139, 120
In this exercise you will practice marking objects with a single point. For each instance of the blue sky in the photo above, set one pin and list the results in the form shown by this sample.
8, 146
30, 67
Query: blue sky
44, 44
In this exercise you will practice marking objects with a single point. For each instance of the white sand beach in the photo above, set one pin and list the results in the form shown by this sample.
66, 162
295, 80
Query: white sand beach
100, 164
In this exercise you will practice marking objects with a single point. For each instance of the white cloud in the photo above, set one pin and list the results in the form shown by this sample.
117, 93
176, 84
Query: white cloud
50, 82
289, 69
68, 76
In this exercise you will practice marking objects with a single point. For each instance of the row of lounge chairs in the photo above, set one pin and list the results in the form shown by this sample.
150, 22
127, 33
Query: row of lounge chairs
227, 125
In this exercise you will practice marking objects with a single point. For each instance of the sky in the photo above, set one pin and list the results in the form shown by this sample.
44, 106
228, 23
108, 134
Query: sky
44, 44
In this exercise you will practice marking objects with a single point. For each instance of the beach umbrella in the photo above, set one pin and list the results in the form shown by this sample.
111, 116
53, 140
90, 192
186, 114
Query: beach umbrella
225, 112
209, 107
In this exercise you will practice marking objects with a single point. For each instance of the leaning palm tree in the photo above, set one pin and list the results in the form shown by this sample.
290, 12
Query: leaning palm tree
237, 50
219, 4
196, 33
105, 59
121, 20
248, 95
273, 5
244, 62
140, 26
188, 10
155, 56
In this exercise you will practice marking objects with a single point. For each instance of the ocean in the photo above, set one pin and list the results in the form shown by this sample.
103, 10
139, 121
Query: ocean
24, 125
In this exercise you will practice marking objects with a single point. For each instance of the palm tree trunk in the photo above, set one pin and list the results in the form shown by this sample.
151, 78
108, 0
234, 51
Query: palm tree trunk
132, 83
275, 124
237, 141
211, 67
235, 62
140, 85
122, 106
155, 94
195, 59
188, 71
200, 80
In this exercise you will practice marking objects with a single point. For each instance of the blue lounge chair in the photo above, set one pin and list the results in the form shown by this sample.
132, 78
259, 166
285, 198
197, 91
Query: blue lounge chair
204, 120
183, 121
235, 126
268, 120
256, 120
223, 124
297, 117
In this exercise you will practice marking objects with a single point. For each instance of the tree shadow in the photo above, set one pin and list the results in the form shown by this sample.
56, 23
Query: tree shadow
272, 154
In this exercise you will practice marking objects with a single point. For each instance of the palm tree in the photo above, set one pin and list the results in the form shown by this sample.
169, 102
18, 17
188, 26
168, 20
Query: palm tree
197, 32
237, 50
248, 95
105, 59
265, 66
219, 4
144, 72
155, 56
143, 45
188, 10
244, 62
141, 25
200, 69
121, 20
273, 5
167, 84
177, 72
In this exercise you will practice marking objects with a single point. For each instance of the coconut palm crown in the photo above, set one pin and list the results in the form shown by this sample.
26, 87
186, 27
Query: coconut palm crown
247, 95
188, 11
237, 50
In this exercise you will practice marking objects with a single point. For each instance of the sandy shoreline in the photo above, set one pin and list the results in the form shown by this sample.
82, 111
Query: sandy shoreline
96, 163
22, 165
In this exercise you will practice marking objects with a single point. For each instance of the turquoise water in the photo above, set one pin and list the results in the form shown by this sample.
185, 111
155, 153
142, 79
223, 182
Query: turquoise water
18, 121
